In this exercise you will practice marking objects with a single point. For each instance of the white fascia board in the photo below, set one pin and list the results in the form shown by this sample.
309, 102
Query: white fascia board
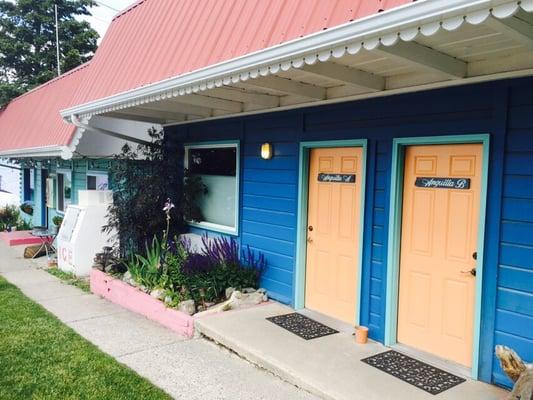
387, 22
41, 152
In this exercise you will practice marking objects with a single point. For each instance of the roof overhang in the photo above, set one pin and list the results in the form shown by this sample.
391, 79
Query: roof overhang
35, 152
429, 43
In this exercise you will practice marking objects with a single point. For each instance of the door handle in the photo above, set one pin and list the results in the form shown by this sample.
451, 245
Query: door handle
470, 271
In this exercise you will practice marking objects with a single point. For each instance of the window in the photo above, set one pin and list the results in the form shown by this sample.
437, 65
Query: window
218, 166
97, 181
64, 190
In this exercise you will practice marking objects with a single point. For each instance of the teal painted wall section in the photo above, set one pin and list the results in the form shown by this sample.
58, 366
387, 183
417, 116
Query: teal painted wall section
38, 207
78, 168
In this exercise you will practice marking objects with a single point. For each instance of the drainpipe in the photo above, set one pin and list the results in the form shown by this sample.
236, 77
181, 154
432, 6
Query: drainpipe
74, 119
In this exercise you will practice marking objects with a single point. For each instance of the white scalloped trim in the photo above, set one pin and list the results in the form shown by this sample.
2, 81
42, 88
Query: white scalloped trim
389, 39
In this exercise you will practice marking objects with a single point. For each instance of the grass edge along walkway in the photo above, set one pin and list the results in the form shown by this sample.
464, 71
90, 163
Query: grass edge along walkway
42, 358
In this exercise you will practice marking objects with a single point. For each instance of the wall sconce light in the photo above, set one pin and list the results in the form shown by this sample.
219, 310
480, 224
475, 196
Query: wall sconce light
266, 151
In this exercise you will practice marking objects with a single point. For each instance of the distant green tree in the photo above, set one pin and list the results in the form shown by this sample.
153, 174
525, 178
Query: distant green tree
28, 44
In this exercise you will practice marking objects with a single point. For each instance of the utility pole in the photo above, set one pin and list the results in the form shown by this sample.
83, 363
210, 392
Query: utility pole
57, 42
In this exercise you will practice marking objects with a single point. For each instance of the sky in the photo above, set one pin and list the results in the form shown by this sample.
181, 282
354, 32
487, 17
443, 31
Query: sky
104, 12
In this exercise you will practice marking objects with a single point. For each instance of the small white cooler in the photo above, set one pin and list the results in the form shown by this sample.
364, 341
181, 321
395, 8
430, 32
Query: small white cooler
80, 236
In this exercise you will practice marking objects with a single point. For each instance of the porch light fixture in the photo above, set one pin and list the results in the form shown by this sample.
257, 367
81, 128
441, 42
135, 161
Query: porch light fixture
266, 151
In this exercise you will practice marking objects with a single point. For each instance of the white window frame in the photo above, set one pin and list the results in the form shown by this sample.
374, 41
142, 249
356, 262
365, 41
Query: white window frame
210, 145
70, 174
96, 174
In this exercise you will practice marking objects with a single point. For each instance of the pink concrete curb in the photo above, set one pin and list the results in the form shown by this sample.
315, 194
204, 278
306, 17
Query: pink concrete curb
17, 238
139, 302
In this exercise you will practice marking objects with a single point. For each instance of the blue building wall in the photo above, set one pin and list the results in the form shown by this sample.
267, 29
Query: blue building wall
269, 192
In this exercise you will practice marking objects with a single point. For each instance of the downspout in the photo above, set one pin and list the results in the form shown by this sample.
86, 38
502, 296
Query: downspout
76, 122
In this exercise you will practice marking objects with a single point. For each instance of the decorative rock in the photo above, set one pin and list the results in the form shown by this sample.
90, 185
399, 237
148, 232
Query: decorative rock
127, 277
98, 266
109, 268
238, 300
144, 288
158, 293
248, 290
229, 291
187, 306
168, 299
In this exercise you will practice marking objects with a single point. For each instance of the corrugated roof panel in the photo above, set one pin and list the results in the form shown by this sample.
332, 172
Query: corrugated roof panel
33, 120
158, 39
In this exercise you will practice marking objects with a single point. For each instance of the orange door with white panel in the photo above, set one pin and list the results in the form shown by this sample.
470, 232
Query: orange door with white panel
440, 219
334, 208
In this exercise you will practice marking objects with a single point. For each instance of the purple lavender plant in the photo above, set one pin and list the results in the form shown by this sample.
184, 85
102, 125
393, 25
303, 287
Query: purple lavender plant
255, 263
197, 264
221, 250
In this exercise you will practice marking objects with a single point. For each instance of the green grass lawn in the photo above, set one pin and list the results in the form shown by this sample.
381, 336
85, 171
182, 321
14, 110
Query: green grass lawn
41, 358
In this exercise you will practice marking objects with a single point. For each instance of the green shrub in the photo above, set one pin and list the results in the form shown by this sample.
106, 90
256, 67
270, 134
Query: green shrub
203, 276
10, 218
57, 220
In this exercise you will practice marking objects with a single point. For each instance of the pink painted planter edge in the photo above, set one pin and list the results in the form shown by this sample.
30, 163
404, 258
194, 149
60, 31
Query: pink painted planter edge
139, 302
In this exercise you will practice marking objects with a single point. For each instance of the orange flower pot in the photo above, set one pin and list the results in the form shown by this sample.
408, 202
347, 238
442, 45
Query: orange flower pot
361, 335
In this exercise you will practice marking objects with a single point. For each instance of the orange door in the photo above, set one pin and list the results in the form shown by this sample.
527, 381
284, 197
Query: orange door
441, 200
333, 231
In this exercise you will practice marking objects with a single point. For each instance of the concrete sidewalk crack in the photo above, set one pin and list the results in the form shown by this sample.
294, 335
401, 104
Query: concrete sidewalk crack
160, 346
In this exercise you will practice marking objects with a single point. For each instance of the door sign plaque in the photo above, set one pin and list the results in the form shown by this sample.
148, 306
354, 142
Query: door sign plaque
443, 183
337, 178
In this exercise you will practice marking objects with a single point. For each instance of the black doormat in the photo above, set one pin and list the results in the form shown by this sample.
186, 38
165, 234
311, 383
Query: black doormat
302, 326
423, 376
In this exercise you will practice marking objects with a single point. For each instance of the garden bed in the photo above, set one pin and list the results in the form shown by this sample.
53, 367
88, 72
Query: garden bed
135, 300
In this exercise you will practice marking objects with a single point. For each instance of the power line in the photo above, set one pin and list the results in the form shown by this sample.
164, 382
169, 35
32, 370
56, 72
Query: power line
101, 3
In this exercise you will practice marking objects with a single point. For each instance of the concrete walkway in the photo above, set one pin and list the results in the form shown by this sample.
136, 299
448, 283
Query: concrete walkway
186, 369
329, 366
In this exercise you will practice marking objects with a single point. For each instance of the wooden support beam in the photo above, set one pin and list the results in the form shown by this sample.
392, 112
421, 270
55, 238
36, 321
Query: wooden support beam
146, 110
135, 117
288, 86
172, 106
516, 28
347, 75
243, 96
209, 102
426, 57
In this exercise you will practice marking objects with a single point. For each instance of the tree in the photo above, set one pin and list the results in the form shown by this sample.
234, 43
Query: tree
28, 43
143, 179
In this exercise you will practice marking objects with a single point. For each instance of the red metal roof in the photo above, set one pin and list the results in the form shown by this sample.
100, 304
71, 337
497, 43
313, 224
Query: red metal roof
157, 39
32, 120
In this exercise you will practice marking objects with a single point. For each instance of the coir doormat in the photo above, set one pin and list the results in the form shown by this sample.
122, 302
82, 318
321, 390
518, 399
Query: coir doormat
423, 376
302, 326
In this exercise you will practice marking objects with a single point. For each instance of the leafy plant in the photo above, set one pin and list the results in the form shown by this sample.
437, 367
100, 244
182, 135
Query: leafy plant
150, 273
193, 190
10, 218
57, 220
143, 179
220, 265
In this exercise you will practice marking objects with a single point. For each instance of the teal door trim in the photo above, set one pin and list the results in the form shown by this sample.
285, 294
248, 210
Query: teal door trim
301, 226
394, 233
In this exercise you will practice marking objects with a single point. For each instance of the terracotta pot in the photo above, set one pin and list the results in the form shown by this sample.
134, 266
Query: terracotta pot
361, 334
